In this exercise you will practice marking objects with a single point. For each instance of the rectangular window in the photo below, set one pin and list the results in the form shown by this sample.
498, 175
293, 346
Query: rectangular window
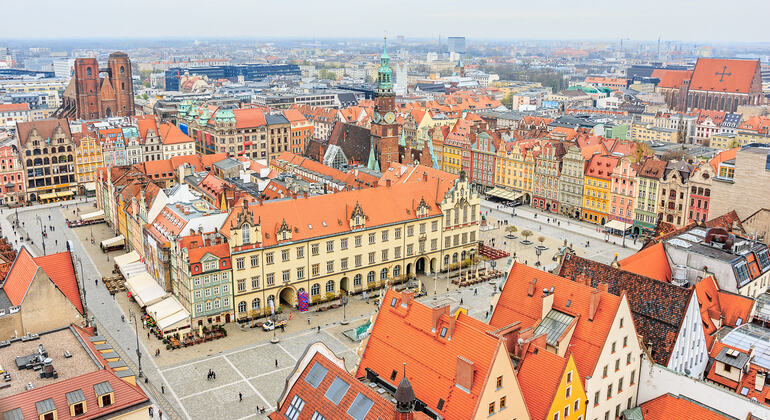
568, 392
492, 408
315, 269
241, 285
371, 238
502, 402
329, 246
596, 398
314, 249
371, 258
384, 236
397, 233
300, 252
628, 359
329, 266
344, 264
296, 406
384, 254
268, 258
357, 241
285, 255
434, 226
499, 382
617, 365
433, 244
609, 391
409, 249
344, 243
422, 228
254, 261
625, 341
409, 231
357, 260
633, 377
270, 279
240, 263
300, 273
255, 282
620, 385
397, 252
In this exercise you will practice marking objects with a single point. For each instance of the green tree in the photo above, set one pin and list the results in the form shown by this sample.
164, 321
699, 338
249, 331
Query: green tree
526, 234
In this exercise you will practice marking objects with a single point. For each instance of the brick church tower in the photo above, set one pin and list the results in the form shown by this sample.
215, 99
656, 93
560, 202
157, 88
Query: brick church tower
90, 96
384, 129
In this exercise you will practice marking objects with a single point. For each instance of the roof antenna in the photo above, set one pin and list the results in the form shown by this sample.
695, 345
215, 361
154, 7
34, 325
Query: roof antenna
404, 369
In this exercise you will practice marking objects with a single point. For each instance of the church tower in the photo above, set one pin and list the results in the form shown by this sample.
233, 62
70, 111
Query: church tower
384, 129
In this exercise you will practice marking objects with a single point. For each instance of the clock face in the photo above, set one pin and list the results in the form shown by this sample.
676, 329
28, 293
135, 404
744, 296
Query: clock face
377, 117
390, 117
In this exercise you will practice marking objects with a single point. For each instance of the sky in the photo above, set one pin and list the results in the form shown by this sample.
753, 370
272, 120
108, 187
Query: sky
704, 21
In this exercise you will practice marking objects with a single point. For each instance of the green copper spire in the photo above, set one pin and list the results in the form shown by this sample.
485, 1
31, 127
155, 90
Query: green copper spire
373, 164
384, 80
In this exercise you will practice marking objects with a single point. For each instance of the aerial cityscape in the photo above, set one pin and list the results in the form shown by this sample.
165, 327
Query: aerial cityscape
384, 211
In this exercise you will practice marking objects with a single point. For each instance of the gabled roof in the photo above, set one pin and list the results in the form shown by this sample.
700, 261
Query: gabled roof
722, 156
218, 250
652, 168
671, 79
650, 262
571, 298
45, 128
724, 75
125, 396
670, 406
601, 166
317, 376
658, 307
539, 373
20, 277
171, 134
60, 270
728, 308
409, 332
249, 118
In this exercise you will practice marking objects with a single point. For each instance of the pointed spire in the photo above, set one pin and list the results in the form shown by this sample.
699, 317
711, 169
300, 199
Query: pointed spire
385, 47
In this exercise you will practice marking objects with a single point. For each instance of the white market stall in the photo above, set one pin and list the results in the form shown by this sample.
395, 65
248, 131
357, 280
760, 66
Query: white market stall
169, 315
112, 244
145, 290
132, 269
92, 216
126, 258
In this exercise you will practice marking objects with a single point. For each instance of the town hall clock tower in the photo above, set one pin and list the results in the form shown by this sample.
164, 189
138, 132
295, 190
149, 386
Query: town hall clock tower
384, 129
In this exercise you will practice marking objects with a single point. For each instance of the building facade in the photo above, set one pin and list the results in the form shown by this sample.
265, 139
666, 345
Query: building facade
88, 158
548, 166
700, 192
570, 195
12, 188
596, 192
205, 282
48, 157
674, 192
623, 191
648, 188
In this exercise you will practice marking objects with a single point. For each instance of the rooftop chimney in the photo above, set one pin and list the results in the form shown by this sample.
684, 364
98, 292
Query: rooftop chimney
547, 302
759, 381
387, 183
464, 373
406, 297
436, 315
424, 176
594, 304
531, 288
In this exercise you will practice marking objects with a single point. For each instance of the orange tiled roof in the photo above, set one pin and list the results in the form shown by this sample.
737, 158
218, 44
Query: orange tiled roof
650, 262
145, 123
670, 406
410, 333
738, 75
249, 118
171, 134
601, 166
329, 214
671, 79
539, 375
588, 339
20, 277
14, 107
60, 270
218, 250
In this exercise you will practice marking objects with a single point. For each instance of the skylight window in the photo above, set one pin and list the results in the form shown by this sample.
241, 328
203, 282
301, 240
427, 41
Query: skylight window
360, 407
393, 302
316, 375
337, 390
443, 332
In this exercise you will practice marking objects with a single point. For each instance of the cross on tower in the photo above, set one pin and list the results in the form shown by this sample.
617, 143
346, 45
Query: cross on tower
723, 74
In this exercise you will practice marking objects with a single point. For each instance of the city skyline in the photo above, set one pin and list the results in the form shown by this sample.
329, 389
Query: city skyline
603, 21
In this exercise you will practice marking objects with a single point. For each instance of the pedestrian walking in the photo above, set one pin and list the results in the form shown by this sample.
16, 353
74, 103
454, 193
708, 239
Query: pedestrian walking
318, 329
240, 397
96, 282
150, 410
162, 389
160, 414
276, 362
308, 320
148, 335
461, 301
123, 318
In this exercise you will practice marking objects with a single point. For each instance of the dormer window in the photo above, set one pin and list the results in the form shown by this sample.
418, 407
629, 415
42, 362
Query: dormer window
393, 302
245, 234
443, 332
104, 394
77, 402
46, 409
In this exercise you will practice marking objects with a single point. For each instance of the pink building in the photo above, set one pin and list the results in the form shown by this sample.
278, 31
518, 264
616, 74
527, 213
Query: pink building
623, 191
12, 186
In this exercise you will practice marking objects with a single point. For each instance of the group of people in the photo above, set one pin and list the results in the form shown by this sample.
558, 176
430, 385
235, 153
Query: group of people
211, 376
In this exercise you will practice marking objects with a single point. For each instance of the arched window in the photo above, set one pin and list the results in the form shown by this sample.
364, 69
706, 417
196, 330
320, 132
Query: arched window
270, 298
396, 271
69, 148
45, 161
29, 153
61, 149
454, 257
357, 280
89, 72
446, 259
242, 307
315, 290
384, 274
29, 161
122, 70
708, 192
330, 286
245, 234
38, 161
370, 277
255, 304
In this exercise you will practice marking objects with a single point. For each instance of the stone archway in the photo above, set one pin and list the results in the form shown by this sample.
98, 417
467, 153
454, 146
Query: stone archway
344, 284
419, 265
409, 269
288, 296
433, 265
603, 221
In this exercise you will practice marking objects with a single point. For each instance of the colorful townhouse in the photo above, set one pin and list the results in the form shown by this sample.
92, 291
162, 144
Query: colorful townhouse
88, 158
205, 278
648, 187
623, 192
484, 145
700, 192
12, 188
113, 146
674, 192
596, 192
548, 166
457, 147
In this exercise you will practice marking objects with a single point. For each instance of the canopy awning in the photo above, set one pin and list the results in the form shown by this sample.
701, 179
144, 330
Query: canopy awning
168, 312
132, 269
145, 289
124, 259
47, 196
113, 241
618, 225
66, 194
92, 216
504, 194
90, 186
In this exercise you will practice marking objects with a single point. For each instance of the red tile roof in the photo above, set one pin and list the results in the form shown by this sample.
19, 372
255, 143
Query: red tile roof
601, 166
249, 118
217, 250
721, 157
671, 79
14, 107
738, 75
20, 277
539, 375
171, 134
145, 123
669, 406
650, 262
410, 333
61, 271
721, 305
588, 339
126, 396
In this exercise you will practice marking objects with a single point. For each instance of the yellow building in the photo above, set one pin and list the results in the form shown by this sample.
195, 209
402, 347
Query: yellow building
649, 133
515, 167
349, 242
596, 191
88, 157
552, 386
452, 156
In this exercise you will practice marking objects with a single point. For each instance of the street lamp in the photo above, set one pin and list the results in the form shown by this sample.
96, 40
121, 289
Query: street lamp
83, 283
138, 352
344, 300
42, 232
